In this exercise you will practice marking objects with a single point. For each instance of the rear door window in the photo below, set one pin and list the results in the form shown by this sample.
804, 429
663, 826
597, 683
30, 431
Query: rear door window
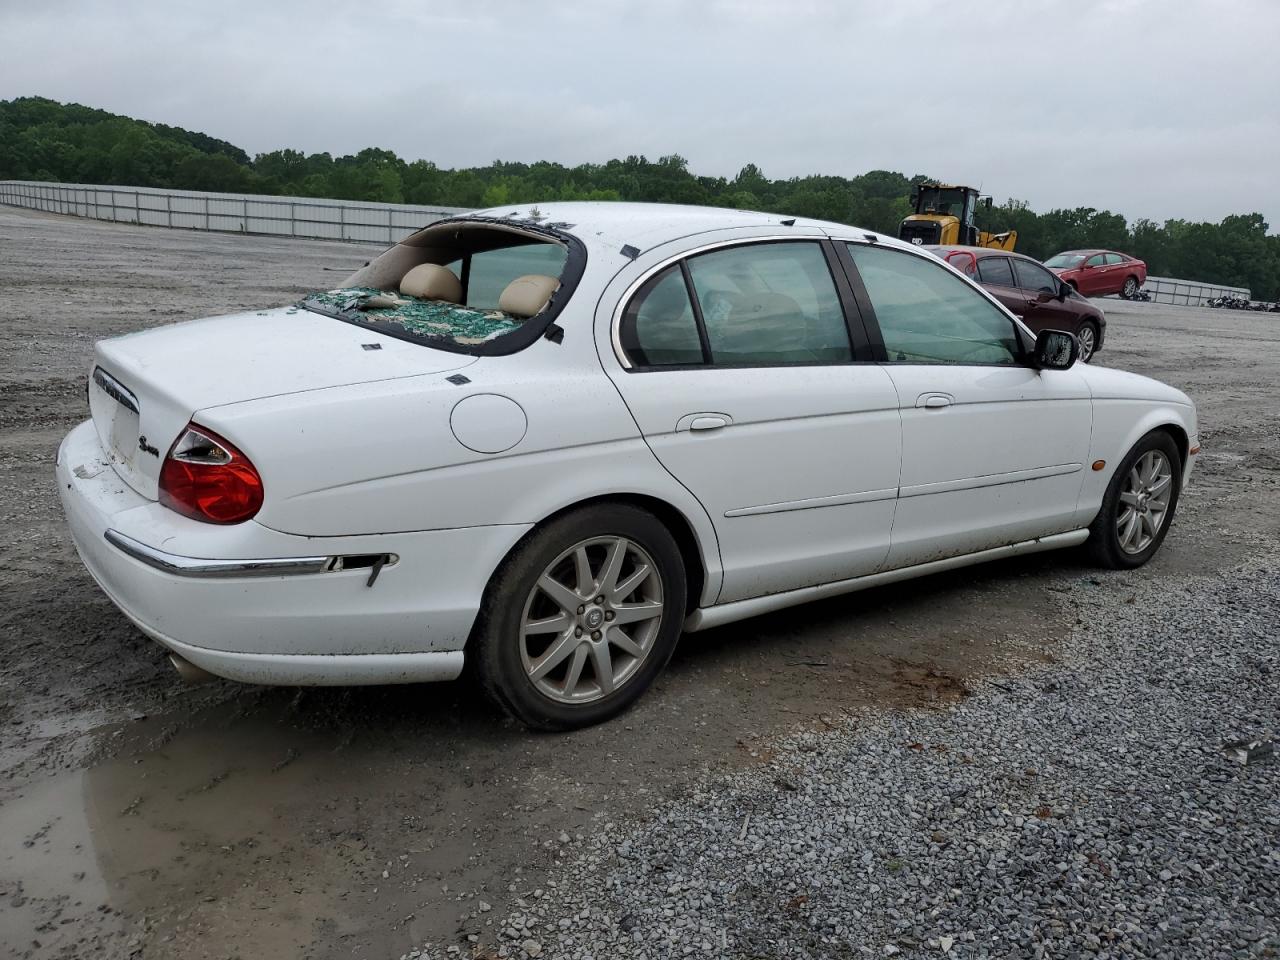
996, 271
1113, 258
1097, 260
770, 303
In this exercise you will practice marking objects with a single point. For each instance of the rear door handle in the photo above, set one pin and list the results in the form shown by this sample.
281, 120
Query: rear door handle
934, 401
703, 421
708, 423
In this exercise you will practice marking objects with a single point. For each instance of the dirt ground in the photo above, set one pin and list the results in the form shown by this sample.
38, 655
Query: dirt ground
140, 817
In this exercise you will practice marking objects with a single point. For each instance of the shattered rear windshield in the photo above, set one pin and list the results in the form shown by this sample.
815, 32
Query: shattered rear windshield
476, 285
398, 314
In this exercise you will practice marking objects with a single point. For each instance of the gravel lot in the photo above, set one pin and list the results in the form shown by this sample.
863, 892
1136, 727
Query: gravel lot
1022, 759
1082, 809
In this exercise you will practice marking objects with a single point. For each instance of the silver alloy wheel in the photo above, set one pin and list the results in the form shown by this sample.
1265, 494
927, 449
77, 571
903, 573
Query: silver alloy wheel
1130, 287
1085, 336
591, 619
1144, 502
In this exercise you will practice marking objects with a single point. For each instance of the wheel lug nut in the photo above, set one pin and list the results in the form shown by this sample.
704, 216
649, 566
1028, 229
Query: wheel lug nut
598, 600
577, 632
582, 610
595, 634
608, 615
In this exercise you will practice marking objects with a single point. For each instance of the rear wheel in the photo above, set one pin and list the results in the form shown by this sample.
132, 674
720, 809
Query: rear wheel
1139, 504
1130, 288
581, 618
1088, 337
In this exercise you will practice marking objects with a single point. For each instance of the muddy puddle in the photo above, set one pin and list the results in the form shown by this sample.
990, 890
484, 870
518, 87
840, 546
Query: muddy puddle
360, 822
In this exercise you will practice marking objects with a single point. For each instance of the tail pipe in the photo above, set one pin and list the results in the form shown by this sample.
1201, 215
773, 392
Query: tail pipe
189, 672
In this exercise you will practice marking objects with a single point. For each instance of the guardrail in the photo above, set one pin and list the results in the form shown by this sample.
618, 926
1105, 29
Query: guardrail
314, 218
1189, 292
309, 218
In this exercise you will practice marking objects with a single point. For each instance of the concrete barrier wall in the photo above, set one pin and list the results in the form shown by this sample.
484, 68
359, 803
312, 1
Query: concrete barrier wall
306, 217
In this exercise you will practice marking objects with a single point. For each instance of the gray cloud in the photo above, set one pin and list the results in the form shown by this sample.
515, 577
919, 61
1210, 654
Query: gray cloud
1145, 107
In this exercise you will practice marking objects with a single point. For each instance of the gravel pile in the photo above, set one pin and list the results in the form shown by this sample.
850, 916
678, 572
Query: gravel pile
1085, 808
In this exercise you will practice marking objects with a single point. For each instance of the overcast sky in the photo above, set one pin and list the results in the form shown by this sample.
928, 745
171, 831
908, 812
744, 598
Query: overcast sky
1152, 108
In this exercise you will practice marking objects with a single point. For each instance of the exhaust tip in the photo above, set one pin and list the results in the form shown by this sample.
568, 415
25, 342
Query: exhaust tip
189, 672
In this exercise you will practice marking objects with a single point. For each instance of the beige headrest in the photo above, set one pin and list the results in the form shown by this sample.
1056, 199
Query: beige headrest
430, 281
526, 296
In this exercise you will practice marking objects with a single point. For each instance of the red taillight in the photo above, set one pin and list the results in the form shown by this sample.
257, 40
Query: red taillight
206, 478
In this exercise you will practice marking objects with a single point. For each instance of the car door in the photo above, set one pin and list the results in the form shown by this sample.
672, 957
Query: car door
751, 379
1119, 269
1042, 309
993, 450
1093, 276
996, 275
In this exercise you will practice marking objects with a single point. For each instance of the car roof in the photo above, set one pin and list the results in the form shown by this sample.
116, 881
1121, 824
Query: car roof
610, 224
978, 252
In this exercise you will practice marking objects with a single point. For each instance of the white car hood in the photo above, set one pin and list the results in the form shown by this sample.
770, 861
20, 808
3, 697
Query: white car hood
1108, 384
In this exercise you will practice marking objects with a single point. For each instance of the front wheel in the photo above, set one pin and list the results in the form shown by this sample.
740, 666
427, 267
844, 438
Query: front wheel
1088, 337
1130, 288
581, 618
1139, 505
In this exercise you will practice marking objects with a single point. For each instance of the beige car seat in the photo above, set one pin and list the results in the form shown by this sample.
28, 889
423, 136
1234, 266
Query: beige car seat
430, 281
527, 296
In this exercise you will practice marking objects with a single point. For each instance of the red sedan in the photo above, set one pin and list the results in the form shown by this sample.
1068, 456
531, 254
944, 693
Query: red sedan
1096, 273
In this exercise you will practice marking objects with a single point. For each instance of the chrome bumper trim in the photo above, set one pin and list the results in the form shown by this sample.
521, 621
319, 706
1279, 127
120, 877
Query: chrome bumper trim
196, 567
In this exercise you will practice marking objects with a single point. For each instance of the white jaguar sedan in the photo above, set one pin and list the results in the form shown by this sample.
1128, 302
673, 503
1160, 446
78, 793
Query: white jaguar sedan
547, 441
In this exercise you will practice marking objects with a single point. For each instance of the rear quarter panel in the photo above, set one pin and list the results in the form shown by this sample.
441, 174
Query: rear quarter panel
383, 457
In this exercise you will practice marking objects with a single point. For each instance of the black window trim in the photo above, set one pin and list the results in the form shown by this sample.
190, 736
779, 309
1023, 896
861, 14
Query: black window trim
873, 324
861, 345
704, 339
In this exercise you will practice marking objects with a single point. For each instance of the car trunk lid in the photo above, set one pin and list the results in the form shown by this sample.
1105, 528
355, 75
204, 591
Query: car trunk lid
145, 387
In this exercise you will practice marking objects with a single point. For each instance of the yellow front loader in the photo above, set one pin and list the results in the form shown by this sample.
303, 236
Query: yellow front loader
944, 217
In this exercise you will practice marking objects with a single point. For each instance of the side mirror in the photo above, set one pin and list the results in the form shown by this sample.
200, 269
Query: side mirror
1064, 290
1055, 350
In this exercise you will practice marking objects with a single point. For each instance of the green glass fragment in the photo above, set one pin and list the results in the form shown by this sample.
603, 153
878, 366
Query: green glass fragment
435, 319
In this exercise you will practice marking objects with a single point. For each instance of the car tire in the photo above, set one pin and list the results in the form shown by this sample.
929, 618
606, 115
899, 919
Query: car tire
560, 580
1132, 498
1088, 337
1130, 288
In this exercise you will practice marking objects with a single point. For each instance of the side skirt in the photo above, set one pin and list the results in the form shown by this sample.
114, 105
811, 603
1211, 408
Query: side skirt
707, 617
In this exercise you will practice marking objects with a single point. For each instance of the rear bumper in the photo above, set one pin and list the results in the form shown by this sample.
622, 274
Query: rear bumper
252, 604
